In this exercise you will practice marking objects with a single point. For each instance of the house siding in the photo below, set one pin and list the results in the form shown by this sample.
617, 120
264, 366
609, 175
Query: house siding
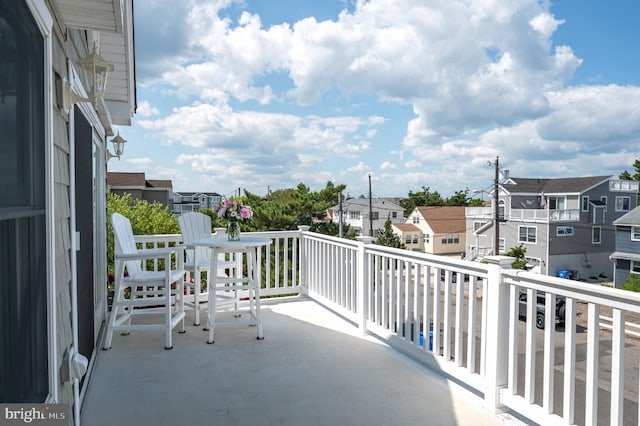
623, 268
62, 220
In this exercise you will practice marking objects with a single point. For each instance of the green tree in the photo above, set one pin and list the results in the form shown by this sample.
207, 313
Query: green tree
518, 253
145, 217
625, 175
388, 238
421, 198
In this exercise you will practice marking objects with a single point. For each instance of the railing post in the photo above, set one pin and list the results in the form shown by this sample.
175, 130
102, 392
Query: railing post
304, 279
497, 338
362, 282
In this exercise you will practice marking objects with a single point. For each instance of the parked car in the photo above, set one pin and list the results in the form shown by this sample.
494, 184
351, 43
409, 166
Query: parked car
540, 309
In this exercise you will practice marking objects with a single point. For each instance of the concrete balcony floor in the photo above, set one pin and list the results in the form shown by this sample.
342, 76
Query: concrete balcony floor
312, 368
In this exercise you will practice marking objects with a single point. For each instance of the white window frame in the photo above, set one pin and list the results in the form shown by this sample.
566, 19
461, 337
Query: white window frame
477, 224
604, 199
596, 230
526, 240
416, 220
585, 203
621, 199
564, 231
354, 215
634, 267
426, 238
501, 246
635, 233
556, 200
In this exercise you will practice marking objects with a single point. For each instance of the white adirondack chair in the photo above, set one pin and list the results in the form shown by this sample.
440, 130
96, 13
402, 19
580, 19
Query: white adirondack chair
151, 293
197, 226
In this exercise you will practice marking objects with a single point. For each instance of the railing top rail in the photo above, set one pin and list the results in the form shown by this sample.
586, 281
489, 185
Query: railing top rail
149, 238
456, 265
328, 238
592, 293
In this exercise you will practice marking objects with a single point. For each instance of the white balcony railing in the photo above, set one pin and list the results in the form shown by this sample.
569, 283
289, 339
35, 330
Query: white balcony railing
527, 215
623, 185
462, 318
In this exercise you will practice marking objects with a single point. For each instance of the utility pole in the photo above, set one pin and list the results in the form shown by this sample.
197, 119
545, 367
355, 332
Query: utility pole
370, 210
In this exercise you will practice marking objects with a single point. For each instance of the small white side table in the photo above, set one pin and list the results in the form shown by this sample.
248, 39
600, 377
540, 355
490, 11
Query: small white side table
250, 281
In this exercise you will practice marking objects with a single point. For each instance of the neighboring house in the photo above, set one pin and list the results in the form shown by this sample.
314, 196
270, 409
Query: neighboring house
193, 201
410, 235
355, 213
141, 188
443, 229
565, 224
626, 258
53, 209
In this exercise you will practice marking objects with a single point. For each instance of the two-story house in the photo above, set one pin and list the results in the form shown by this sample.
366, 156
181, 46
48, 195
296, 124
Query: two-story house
626, 258
443, 229
193, 201
141, 188
355, 213
564, 224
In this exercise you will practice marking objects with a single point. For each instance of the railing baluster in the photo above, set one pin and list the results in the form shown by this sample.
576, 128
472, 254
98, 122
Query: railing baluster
617, 368
530, 351
568, 410
472, 325
591, 403
459, 310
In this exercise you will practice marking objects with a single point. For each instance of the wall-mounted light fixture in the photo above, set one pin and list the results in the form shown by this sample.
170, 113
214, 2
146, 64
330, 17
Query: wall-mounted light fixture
118, 147
95, 70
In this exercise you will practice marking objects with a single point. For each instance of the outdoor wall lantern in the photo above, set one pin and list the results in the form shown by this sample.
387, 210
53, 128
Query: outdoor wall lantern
118, 147
95, 70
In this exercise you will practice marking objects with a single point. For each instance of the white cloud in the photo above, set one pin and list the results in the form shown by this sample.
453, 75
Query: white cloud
145, 109
483, 78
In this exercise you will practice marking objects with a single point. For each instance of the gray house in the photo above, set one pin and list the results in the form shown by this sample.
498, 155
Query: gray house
566, 224
626, 258
184, 202
55, 123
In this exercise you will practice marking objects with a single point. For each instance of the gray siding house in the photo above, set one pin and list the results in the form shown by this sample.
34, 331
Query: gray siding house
565, 224
54, 130
626, 258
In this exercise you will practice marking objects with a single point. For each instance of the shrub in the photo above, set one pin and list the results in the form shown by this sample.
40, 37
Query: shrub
632, 283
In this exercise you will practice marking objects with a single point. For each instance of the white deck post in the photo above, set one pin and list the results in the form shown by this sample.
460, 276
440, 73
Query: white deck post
304, 280
497, 338
362, 291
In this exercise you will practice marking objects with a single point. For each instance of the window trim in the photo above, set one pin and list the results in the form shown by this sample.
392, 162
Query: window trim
623, 197
593, 235
526, 241
565, 234
634, 267
585, 203
635, 233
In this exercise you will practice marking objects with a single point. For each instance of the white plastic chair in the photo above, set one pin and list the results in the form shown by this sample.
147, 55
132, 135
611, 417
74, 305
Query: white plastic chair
150, 292
197, 226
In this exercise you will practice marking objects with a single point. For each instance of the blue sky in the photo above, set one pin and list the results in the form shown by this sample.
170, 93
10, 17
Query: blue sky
260, 95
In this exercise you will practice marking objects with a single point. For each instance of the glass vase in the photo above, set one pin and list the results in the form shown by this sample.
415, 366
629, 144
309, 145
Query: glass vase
233, 231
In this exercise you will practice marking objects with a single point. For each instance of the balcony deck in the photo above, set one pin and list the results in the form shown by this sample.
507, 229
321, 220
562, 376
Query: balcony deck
313, 368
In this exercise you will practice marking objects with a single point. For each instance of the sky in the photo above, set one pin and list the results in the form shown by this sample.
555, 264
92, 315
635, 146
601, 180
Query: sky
266, 94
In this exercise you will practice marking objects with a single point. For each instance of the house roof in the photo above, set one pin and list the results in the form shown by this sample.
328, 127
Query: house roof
159, 183
126, 179
406, 227
363, 203
632, 218
443, 220
552, 186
